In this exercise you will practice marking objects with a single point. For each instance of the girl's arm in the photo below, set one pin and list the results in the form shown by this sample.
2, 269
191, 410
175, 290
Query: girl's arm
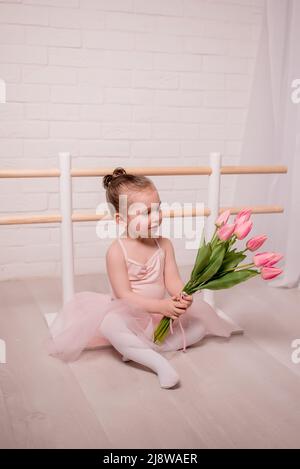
118, 276
173, 281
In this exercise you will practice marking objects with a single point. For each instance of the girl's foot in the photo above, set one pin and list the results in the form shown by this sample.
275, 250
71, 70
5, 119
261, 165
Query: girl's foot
168, 379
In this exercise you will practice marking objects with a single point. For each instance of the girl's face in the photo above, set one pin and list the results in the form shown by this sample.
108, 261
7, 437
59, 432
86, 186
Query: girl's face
144, 214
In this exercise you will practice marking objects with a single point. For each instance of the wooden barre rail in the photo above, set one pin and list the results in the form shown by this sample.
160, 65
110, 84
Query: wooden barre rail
81, 217
66, 216
148, 171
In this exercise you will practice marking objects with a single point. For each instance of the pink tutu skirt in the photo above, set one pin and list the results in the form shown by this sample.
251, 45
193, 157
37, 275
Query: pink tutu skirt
77, 325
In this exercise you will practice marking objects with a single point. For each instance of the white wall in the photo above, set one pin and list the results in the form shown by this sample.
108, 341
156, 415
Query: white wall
116, 82
272, 134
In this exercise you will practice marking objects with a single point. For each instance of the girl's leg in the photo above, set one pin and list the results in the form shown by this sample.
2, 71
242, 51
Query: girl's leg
114, 328
194, 331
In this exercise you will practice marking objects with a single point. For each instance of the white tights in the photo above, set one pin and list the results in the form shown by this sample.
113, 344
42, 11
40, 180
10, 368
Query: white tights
114, 328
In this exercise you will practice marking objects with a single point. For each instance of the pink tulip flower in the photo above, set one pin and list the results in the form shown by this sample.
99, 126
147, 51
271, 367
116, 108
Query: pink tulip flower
255, 243
241, 230
225, 232
244, 214
276, 257
222, 219
262, 258
268, 273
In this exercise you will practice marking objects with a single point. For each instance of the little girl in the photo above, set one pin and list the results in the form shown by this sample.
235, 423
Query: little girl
145, 285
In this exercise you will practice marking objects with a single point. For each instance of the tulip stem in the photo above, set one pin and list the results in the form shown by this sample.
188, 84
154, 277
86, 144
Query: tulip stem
245, 265
212, 239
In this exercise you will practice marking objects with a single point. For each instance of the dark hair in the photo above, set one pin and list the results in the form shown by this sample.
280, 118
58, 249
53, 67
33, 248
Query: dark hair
119, 180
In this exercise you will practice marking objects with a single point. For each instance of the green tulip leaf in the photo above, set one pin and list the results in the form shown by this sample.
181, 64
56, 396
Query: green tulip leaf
230, 279
213, 266
202, 259
232, 260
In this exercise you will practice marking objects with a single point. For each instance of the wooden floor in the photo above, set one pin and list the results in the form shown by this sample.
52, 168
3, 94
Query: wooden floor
241, 392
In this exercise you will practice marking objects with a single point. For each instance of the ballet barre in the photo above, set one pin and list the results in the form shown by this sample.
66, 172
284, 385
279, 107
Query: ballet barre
67, 217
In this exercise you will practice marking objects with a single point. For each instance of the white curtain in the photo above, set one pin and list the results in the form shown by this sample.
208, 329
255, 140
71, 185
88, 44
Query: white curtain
272, 136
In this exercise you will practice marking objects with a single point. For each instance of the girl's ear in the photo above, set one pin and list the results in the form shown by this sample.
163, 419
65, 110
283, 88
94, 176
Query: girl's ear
119, 221
118, 218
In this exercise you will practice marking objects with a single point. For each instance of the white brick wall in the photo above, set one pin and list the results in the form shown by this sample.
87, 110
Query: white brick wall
115, 82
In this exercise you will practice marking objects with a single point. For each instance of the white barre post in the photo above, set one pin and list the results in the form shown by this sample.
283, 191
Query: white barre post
67, 259
214, 206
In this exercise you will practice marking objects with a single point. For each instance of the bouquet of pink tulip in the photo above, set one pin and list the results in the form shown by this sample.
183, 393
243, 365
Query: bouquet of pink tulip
217, 264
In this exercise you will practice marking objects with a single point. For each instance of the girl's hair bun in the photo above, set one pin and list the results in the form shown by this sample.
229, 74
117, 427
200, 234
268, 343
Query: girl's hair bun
109, 177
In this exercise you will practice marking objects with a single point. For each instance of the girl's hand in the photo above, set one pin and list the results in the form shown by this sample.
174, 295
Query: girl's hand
185, 299
172, 307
